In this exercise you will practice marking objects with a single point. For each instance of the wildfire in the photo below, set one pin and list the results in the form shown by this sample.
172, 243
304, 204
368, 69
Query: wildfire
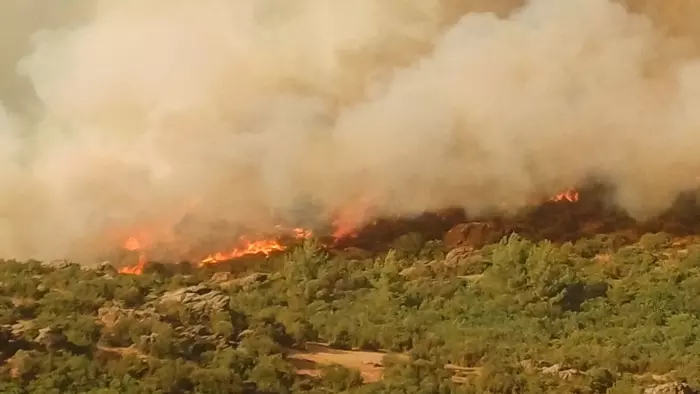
570, 195
345, 224
245, 247
264, 246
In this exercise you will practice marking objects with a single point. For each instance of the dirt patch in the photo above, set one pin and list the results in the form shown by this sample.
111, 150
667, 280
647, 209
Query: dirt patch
369, 364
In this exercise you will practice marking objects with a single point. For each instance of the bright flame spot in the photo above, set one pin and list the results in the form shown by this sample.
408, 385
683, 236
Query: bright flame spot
570, 195
135, 269
134, 244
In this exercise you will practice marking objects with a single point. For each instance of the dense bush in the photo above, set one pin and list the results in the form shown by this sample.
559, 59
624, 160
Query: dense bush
606, 316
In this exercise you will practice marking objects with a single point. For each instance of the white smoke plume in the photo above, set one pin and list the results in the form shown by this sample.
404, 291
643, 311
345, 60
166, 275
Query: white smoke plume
126, 115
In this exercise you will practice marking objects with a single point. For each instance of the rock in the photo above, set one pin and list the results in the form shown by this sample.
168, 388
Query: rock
551, 370
671, 388
245, 333
199, 298
529, 366
58, 264
51, 337
435, 265
18, 329
568, 374
473, 234
557, 369
106, 267
110, 315
458, 256
220, 277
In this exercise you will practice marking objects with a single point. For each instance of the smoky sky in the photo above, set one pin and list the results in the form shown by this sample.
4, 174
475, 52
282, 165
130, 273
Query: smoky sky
123, 117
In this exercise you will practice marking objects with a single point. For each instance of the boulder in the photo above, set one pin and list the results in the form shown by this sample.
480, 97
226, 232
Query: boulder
458, 256
220, 277
107, 268
200, 298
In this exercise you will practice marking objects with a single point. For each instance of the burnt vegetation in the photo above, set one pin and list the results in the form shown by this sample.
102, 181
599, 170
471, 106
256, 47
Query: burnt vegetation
566, 297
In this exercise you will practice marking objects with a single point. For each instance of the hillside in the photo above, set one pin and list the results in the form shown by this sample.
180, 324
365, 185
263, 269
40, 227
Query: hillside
592, 316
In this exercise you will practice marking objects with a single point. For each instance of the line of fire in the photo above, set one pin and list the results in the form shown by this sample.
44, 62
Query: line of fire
571, 214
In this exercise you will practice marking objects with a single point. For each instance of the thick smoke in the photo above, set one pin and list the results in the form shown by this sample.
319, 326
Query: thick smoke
130, 115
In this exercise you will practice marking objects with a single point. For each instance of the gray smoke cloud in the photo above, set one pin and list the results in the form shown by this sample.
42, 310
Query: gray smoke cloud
119, 117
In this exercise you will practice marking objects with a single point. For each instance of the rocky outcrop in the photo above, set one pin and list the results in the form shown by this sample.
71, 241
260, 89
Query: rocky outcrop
562, 373
58, 264
109, 315
458, 256
200, 298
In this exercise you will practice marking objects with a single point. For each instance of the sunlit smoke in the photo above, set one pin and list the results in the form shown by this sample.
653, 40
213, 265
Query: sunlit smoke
118, 114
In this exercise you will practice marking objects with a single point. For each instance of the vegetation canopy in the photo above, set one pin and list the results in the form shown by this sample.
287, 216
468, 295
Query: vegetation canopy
516, 316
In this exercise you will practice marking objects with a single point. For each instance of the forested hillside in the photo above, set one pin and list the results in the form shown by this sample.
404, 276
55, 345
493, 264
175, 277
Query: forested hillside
592, 316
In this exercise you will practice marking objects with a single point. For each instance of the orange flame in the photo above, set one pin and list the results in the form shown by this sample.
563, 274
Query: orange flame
250, 247
570, 195
135, 269
348, 220
134, 244
301, 233
247, 247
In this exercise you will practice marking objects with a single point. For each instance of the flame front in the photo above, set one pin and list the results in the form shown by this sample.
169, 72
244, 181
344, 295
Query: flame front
570, 195
135, 245
346, 224
250, 247
246, 247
